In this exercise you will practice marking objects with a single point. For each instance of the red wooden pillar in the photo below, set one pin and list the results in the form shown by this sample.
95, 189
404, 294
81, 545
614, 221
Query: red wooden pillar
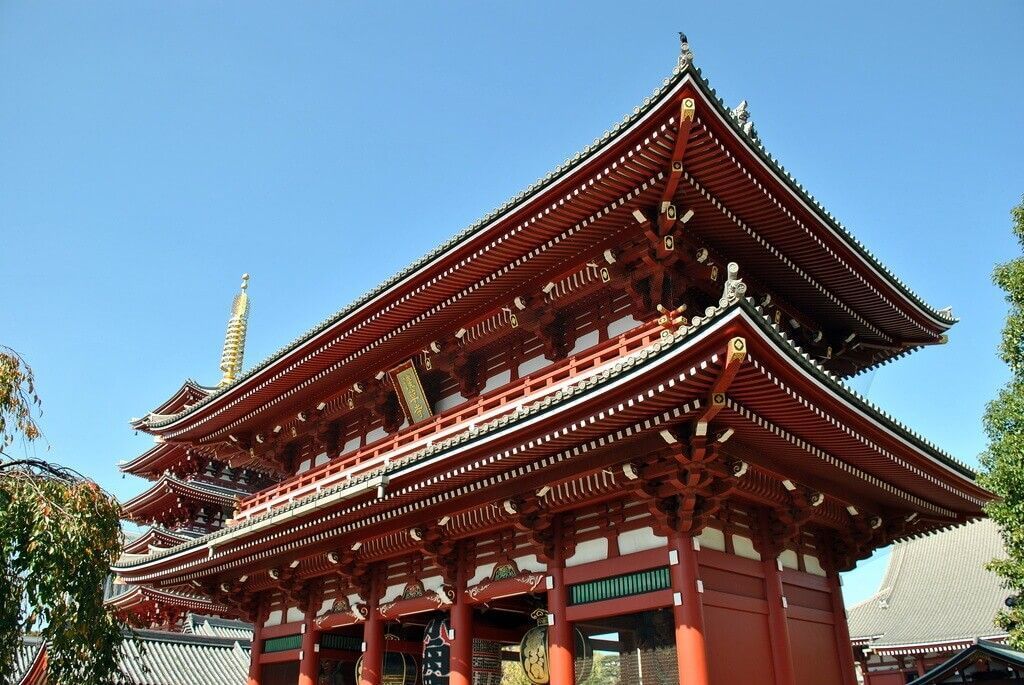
842, 631
255, 670
919, 663
561, 664
462, 624
778, 624
309, 656
373, 640
691, 654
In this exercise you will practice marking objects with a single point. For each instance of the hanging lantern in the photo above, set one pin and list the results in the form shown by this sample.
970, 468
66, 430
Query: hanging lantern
437, 640
533, 652
399, 667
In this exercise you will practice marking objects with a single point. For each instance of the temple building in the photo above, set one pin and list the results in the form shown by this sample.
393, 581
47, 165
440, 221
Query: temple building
601, 436
935, 600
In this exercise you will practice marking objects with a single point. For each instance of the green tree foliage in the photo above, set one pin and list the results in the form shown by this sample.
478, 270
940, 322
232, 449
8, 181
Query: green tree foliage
59, 534
1004, 424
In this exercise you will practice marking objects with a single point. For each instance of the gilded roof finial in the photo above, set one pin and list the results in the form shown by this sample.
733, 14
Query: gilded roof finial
234, 338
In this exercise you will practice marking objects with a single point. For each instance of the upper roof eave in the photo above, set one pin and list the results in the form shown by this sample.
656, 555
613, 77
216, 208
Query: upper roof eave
682, 74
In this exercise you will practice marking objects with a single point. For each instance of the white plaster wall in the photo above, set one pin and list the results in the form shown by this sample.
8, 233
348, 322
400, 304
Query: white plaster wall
433, 583
294, 615
744, 547
497, 380
639, 540
789, 559
483, 572
620, 326
274, 618
586, 552
584, 342
813, 565
324, 606
393, 593
321, 458
530, 562
375, 434
446, 403
533, 364
712, 538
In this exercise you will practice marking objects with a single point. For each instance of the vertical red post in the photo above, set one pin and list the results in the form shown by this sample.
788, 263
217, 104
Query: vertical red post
309, 660
255, 670
919, 663
842, 631
561, 664
691, 654
462, 624
373, 640
778, 624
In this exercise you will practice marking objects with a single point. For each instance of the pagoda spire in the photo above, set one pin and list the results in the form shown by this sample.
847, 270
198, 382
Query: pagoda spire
234, 337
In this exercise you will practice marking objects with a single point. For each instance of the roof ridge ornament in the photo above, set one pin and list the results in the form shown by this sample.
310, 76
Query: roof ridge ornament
741, 113
685, 53
234, 337
734, 289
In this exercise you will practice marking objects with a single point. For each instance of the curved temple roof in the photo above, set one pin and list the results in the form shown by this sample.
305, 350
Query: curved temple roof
890, 449
795, 239
164, 494
936, 593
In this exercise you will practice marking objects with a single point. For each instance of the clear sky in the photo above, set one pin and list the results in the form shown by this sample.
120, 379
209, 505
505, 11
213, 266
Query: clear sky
152, 152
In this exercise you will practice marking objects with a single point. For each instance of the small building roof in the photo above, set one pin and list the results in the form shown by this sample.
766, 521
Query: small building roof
184, 397
936, 593
980, 649
212, 626
169, 493
27, 660
155, 657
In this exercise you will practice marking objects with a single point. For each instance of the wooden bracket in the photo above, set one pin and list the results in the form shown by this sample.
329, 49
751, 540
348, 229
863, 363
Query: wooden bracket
684, 490
542, 319
667, 211
461, 365
540, 524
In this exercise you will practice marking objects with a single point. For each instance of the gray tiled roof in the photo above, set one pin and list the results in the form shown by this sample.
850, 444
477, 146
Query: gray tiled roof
23, 660
217, 627
164, 658
156, 657
936, 589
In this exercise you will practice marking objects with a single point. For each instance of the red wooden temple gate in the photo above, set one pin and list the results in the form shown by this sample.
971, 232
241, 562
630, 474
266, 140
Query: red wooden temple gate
599, 434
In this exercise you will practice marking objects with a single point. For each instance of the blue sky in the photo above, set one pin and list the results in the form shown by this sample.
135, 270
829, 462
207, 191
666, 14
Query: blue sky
152, 152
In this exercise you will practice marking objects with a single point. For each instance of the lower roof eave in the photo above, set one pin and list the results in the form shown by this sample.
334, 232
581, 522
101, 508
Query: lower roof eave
933, 646
740, 318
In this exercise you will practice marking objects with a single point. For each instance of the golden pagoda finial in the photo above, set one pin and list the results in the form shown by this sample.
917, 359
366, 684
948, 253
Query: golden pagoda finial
234, 338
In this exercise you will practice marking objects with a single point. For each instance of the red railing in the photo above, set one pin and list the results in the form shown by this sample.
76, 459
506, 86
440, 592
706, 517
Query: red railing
640, 336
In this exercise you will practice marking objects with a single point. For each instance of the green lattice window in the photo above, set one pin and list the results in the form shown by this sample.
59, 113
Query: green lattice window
620, 586
346, 642
282, 644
